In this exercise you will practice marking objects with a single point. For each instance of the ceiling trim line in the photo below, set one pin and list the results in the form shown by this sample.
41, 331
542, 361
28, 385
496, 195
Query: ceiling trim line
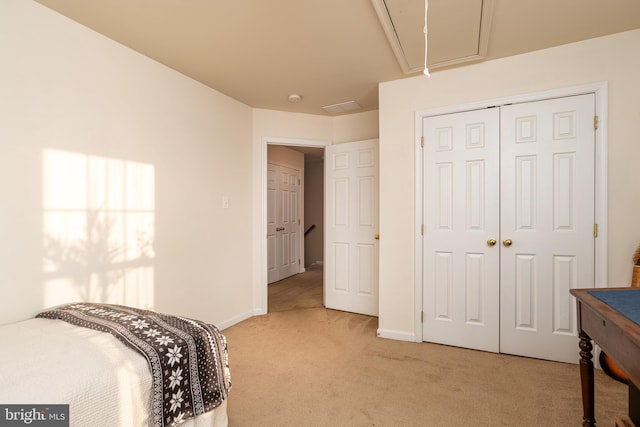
392, 36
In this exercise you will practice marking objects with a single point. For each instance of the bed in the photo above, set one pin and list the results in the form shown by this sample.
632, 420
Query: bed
103, 379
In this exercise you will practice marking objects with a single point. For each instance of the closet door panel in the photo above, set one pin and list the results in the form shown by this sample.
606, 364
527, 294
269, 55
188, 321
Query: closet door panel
547, 212
461, 213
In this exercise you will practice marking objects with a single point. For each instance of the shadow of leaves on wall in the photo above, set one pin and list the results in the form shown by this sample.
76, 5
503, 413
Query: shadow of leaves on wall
97, 263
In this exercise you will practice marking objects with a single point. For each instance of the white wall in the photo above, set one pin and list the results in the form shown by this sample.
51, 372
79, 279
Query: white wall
615, 59
76, 112
355, 127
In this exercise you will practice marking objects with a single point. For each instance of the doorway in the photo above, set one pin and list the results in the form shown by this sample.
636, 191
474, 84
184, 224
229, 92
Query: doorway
351, 249
311, 149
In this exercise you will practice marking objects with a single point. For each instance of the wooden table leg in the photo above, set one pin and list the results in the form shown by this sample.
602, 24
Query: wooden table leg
634, 403
586, 378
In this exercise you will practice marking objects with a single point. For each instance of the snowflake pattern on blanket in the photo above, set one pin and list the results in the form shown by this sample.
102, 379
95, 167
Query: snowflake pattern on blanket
187, 358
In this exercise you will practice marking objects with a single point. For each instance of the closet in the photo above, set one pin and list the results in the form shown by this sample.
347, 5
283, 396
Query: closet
508, 214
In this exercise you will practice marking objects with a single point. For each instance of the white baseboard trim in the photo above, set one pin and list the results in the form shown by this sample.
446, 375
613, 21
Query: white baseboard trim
259, 311
396, 335
237, 319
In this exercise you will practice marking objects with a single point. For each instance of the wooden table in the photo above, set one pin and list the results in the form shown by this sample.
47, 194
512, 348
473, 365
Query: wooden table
616, 333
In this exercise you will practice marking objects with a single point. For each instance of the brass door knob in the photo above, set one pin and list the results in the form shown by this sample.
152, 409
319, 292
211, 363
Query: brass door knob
491, 242
507, 242
377, 236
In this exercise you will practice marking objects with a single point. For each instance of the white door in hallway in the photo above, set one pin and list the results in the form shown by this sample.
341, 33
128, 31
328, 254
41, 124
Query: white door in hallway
351, 227
461, 215
548, 214
283, 222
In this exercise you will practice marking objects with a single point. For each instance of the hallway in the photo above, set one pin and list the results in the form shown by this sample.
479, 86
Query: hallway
297, 292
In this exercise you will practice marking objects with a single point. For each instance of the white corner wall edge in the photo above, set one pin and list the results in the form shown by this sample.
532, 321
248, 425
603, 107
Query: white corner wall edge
237, 319
396, 335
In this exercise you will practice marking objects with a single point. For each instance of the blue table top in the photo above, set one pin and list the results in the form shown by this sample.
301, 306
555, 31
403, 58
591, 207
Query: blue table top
625, 301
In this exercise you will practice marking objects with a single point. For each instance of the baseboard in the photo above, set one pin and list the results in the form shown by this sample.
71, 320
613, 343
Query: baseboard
396, 335
237, 319
259, 311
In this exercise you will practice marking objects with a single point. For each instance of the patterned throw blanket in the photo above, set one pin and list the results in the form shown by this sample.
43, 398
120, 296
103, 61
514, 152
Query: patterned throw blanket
188, 359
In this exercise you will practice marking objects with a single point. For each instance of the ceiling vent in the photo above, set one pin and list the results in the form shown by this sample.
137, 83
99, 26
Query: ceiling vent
343, 107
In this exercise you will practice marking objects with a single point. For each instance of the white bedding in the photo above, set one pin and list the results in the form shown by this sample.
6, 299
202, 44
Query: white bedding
45, 361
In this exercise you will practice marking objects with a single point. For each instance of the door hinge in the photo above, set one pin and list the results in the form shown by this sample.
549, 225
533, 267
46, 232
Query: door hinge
299, 262
422, 229
595, 122
595, 230
422, 317
422, 141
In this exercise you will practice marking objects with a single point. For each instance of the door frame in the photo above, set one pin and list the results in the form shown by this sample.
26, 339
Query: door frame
292, 142
601, 91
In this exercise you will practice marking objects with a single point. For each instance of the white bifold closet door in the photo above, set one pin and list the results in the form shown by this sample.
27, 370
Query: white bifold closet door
461, 214
521, 175
548, 212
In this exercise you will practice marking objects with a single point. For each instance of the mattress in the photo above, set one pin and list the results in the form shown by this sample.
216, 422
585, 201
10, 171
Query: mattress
104, 382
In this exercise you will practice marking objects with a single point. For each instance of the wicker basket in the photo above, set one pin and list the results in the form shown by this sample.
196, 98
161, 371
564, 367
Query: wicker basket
635, 278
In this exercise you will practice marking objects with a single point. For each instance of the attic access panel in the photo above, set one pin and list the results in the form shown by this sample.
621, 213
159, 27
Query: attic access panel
457, 31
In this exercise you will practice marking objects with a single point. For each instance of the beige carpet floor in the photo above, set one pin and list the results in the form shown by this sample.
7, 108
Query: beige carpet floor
309, 366
297, 292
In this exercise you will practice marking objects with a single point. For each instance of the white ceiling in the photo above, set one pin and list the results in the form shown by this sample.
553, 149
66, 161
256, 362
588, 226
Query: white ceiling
335, 51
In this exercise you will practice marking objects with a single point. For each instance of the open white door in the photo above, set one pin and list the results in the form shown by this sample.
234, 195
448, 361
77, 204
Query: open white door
461, 287
351, 227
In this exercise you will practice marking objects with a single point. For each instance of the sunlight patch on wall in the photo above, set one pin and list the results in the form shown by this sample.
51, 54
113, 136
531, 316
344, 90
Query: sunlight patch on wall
98, 225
